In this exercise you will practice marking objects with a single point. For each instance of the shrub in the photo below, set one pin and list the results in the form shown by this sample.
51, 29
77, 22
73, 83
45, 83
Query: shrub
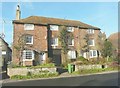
30, 76
29, 73
81, 58
48, 65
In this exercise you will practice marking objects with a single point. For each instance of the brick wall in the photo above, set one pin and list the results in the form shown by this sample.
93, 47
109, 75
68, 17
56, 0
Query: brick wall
39, 38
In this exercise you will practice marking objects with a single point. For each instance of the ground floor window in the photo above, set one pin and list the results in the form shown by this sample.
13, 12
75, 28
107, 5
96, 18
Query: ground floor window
72, 54
93, 53
28, 54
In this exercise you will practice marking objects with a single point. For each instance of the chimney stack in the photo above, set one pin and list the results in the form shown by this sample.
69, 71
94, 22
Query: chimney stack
18, 12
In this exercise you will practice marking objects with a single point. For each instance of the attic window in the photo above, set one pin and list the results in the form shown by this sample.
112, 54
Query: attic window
53, 27
28, 26
90, 31
70, 29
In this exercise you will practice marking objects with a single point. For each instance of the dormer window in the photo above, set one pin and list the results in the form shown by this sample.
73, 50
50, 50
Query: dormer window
90, 31
28, 26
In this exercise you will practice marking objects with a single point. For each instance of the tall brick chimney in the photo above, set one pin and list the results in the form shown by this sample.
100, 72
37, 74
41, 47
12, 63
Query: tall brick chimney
18, 12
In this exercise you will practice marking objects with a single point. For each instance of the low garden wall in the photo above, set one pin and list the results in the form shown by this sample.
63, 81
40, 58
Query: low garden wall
25, 70
80, 67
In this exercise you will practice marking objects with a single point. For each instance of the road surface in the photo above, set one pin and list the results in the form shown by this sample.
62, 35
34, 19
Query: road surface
107, 79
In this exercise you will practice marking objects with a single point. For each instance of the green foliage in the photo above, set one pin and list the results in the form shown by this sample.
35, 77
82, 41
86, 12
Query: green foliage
87, 71
64, 37
108, 49
86, 47
29, 73
13, 65
81, 58
30, 76
48, 65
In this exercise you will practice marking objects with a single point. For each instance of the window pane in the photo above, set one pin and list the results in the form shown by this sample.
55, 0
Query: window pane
90, 31
94, 53
27, 54
70, 29
54, 41
90, 53
29, 39
72, 54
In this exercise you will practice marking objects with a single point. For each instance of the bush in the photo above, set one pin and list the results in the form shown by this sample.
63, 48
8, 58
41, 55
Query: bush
48, 65
81, 58
29, 73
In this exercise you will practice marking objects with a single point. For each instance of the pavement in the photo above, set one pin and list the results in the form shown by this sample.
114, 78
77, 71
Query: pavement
62, 75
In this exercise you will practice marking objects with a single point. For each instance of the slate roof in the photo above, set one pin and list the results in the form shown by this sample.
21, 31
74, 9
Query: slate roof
56, 21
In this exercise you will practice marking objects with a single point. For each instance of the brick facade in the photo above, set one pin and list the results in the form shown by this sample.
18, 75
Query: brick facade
42, 36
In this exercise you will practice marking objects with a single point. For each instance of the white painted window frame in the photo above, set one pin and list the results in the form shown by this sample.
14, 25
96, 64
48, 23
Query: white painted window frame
31, 39
54, 27
90, 31
72, 43
72, 54
70, 29
24, 55
93, 41
92, 53
28, 28
55, 41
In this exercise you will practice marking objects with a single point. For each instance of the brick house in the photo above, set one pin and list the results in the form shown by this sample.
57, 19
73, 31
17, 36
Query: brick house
42, 38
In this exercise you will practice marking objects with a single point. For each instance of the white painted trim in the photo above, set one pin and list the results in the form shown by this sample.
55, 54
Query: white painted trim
90, 31
72, 43
93, 42
56, 43
92, 53
54, 27
71, 28
4, 53
24, 59
31, 40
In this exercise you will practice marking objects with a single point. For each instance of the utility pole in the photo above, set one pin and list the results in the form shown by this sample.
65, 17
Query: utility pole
2, 35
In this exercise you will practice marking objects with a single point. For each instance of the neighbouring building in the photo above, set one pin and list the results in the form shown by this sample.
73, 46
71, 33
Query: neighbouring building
6, 53
42, 42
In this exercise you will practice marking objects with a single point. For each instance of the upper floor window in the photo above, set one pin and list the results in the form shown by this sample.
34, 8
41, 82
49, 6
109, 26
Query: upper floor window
28, 26
90, 31
91, 42
29, 39
53, 27
54, 41
70, 29
71, 42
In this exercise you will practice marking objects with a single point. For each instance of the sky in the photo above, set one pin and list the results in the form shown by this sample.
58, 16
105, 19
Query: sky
100, 14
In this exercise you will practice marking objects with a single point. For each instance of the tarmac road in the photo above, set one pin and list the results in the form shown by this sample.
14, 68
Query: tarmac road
106, 79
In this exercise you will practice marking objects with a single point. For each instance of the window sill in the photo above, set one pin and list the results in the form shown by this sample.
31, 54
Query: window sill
29, 43
54, 45
28, 59
70, 45
91, 45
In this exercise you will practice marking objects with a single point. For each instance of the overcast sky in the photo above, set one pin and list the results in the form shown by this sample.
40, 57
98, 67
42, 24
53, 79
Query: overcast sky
100, 14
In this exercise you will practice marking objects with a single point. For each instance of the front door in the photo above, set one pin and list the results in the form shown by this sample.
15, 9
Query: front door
57, 57
42, 58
